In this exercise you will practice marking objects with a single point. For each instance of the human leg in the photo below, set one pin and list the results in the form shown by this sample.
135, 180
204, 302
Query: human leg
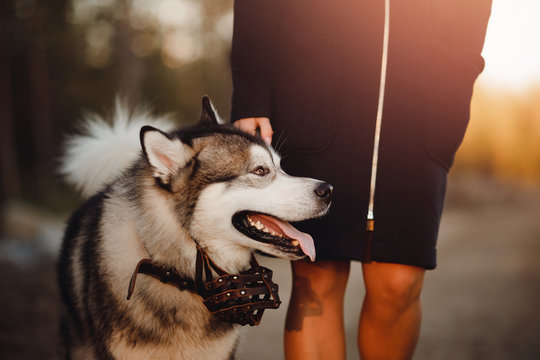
391, 314
314, 328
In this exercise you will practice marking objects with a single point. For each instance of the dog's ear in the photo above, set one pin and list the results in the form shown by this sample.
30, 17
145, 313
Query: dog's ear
166, 155
209, 114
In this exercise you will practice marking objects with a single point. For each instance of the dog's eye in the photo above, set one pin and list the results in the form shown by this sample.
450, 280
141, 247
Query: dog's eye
260, 171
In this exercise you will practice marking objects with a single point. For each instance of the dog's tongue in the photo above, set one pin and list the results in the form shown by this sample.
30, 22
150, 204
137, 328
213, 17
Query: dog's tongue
305, 240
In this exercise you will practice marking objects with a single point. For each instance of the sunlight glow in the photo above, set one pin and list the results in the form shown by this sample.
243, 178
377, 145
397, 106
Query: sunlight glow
512, 47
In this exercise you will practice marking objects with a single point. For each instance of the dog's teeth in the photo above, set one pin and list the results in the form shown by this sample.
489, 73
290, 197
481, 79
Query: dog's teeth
274, 233
295, 243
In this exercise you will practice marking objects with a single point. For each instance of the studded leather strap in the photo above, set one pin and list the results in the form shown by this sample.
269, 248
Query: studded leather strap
236, 298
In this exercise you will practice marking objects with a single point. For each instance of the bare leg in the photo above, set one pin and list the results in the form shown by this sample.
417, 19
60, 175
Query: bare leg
391, 315
314, 327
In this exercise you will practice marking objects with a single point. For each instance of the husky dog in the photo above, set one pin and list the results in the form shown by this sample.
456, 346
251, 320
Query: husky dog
209, 185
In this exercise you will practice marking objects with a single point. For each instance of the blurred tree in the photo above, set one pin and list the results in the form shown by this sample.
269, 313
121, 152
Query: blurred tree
132, 68
43, 27
8, 153
62, 56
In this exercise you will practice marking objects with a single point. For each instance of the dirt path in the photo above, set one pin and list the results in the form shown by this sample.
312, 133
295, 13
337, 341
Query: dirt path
481, 302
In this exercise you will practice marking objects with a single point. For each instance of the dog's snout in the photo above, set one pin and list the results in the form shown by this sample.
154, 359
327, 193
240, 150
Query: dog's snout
324, 190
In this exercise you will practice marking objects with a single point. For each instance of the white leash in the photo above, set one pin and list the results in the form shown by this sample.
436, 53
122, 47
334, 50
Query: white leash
382, 85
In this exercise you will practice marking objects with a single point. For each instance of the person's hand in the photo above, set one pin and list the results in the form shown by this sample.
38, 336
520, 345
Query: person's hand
250, 125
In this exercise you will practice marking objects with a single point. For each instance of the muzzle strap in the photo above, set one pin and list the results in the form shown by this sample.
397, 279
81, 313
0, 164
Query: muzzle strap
236, 298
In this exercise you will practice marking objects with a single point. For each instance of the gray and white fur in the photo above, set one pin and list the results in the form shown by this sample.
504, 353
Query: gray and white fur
155, 200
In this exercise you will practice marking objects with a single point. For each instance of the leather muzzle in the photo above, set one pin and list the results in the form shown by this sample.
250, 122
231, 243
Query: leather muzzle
235, 298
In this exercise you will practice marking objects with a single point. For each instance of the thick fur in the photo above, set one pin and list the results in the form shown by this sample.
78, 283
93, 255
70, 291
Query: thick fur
184, 186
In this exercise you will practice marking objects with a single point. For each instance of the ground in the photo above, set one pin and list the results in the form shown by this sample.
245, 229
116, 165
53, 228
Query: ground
480, 303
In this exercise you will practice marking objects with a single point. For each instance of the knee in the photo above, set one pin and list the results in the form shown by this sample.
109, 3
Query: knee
395, 292
400, 293
325, 278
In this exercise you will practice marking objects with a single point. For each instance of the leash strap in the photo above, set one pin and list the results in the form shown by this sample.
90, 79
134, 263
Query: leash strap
370, 225
162, 273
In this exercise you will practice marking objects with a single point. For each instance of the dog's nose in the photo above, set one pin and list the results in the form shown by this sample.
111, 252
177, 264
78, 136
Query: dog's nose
324, 190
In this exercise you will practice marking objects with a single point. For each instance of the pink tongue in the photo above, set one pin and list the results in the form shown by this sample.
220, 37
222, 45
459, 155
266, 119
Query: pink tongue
305, 240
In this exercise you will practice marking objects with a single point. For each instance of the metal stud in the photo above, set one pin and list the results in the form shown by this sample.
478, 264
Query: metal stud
168, 273
228, 294
243, 292
220, 280
235, 277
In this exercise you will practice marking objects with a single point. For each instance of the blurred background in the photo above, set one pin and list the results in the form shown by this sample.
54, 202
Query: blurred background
60, 58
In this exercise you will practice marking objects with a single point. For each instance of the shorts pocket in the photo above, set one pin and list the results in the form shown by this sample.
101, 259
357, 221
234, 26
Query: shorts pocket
448, 100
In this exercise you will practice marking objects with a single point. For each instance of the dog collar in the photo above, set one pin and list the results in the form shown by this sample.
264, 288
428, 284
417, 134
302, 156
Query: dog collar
236, 298
162, 273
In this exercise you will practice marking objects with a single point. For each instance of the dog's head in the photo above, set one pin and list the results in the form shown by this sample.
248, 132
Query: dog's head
228, 190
